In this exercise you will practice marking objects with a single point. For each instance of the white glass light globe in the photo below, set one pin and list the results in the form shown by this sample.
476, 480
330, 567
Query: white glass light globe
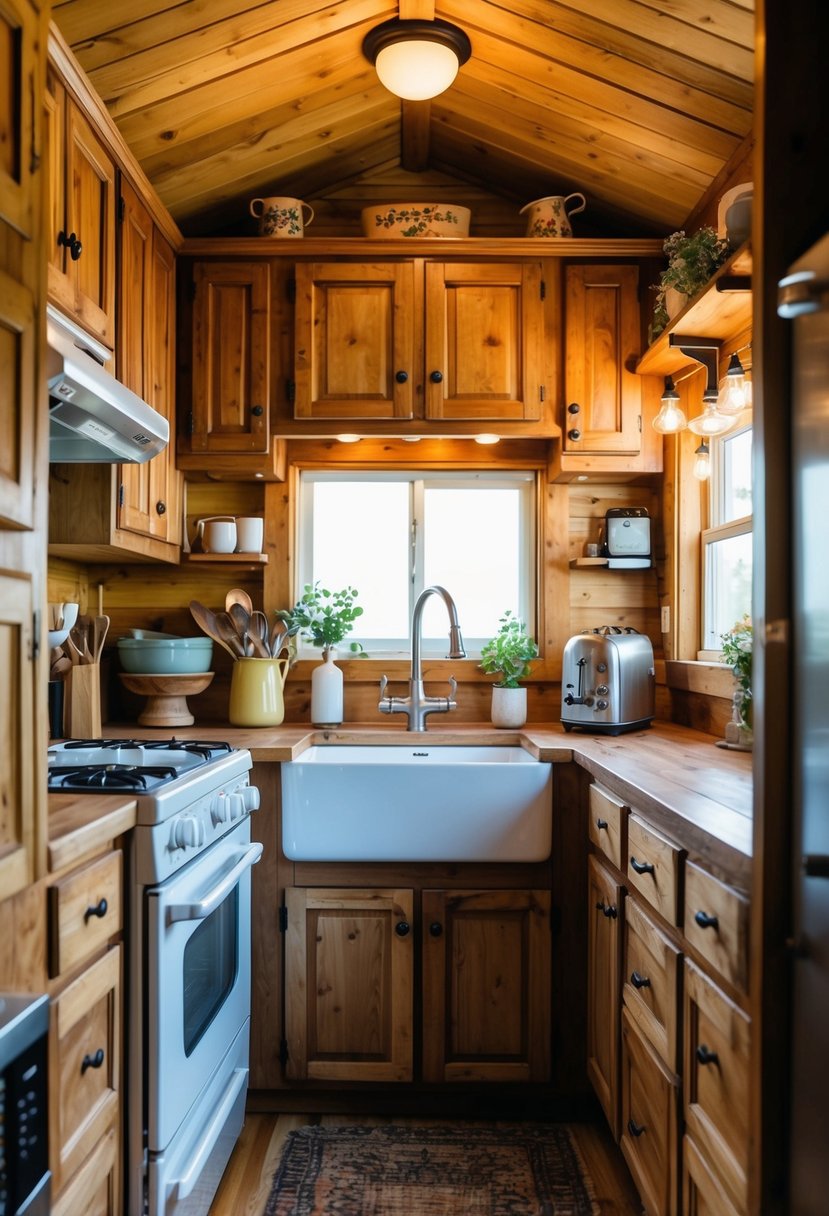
418, 70
670, 419
711, 423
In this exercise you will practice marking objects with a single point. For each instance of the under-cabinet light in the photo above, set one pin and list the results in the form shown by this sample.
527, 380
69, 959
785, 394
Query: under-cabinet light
487, 439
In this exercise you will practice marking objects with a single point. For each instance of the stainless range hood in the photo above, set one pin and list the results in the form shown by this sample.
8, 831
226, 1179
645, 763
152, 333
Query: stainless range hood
93, 418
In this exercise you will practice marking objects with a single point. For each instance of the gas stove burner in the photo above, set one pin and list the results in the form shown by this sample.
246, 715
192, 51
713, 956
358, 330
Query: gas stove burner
109, 776
195, 747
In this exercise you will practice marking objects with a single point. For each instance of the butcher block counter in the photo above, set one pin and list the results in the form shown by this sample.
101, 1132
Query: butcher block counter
689, 788
80, 824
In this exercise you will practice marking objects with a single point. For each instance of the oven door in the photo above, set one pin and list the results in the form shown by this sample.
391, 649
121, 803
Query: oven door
198, 977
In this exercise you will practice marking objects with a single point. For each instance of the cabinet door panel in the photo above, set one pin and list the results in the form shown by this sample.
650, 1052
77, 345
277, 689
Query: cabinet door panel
18, 789
18, 417
90, 177
348, 984
354, 341
649, 1123
231, 357
652, 969
604, 912
484, 330
602, 344
486, 985
135, 507
20, 131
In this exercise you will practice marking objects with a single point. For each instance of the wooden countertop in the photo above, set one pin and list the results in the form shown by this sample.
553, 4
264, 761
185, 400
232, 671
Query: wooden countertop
692, 790
80, 824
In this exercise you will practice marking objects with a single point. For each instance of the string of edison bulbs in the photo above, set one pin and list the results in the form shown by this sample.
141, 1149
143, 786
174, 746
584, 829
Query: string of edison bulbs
721, 411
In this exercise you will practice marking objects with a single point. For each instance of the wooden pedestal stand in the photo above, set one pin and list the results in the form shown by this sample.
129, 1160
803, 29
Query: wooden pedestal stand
166, 696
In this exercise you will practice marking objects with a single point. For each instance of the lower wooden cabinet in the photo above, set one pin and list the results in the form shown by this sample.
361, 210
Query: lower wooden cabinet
604, 908
95, 1189
702, 1193
483, 1006
650, 1120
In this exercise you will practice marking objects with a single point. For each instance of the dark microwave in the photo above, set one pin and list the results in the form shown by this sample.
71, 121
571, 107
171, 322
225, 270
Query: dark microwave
24, 1144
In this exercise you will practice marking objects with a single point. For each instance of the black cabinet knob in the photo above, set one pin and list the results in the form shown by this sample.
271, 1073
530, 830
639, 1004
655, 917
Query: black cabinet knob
71, 243
704, 1056
601, 824
573, 408
257, 411
402, 928
639, 981
641, 867
99, 910
436, 928
436, 377
574, 433
161, 508
401, 377
608, 910
93, 1061
705, 921
635, 1129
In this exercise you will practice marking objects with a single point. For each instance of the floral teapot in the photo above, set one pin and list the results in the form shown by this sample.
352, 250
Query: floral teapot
549, 216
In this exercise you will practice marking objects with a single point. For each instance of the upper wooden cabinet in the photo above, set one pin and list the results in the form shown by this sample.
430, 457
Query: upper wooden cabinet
437, 340
20, 120
18, 375
150, 495
81, 237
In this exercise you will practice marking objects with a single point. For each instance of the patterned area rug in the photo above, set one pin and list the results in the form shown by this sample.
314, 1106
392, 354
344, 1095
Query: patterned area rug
499, 1169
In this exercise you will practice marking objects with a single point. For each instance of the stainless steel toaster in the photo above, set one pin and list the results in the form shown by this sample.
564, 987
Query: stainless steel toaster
607, 681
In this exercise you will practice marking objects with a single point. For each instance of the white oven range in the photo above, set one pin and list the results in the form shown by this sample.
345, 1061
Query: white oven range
188, 931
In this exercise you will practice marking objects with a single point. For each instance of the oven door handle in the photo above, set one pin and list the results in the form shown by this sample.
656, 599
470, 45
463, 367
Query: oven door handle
186, 1185
211, 901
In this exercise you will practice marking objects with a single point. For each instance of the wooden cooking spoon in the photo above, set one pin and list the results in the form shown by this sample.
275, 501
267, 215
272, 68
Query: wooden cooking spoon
237, 596
208, 622
230, 637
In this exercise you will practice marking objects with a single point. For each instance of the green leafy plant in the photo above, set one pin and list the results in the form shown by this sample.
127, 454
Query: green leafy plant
691, 262
510, 653
324, 616
737, 647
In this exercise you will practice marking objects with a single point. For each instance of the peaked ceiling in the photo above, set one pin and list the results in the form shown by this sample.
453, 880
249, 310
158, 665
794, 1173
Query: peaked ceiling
639, 104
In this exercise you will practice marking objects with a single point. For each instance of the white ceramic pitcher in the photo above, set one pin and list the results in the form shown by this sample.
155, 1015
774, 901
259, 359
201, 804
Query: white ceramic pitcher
217, 533
550, 217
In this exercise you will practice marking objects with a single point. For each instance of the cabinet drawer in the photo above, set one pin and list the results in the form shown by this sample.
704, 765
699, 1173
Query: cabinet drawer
716, 1079
651, 982
654, 868
94, 1189
716, 924
84, 1065
608, 824
702, 1195
649, 1123
85, 910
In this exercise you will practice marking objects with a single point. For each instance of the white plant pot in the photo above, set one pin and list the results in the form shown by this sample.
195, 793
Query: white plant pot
509, 707
675, 301
327, 692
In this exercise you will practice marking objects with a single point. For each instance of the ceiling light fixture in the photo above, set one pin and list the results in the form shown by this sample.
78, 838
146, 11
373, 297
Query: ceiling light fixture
705, 351
735, 394
670, 418
416, 60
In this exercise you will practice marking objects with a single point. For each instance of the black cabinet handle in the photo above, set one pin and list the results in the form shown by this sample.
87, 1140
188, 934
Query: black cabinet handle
436, 377
93, 1061
601, 824
161, 508
641, 867
573, 408
99, 910
574, 433
436, 928
257, 411
608, 910
705, 921
639, 981
705, 1056
71, 243
401, 377
634, 1128
402, 928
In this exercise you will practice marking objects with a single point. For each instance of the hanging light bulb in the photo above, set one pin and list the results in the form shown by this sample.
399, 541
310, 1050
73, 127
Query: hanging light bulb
702, 464
670, 418
711, 421
735, 395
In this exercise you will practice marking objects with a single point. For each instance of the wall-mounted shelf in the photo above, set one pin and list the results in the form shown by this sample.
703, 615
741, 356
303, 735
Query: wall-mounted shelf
231, 559
721, 310
588, 561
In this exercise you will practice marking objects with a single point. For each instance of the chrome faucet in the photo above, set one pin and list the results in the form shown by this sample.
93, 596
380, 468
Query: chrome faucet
417, 705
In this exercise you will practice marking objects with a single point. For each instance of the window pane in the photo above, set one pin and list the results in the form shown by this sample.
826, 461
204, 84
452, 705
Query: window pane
361, 539
736, 466
473, 549
728, 584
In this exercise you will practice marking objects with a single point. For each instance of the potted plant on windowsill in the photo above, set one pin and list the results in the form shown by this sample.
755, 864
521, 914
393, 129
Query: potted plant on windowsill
692, 260
509, 655
325, 617
737, 651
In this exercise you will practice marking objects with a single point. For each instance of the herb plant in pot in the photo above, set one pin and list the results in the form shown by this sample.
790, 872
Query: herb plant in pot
509, 655
325, 617
692, 261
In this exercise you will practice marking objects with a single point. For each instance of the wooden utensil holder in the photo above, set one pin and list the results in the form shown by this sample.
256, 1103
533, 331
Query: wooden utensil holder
82, 712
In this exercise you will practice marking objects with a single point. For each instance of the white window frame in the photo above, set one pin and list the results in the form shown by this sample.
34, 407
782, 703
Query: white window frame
717, 531
522, 479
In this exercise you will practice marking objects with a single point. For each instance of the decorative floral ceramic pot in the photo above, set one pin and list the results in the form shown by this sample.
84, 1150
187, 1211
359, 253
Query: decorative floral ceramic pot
416, 220
550, 217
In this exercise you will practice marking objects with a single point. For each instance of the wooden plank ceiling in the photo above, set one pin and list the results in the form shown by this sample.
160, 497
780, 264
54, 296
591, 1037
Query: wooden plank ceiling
639, 104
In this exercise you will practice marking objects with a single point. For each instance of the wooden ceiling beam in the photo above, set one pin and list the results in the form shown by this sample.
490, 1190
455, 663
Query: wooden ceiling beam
415, 124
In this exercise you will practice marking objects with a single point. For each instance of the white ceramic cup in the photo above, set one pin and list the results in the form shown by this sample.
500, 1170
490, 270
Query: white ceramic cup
218, 535
250, 532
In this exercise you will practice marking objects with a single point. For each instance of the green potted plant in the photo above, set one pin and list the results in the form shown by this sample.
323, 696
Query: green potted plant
325, 617
509, 655
691, 262
737, 649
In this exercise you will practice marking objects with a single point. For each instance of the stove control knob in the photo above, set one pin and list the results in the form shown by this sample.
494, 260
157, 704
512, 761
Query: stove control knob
237, 805
219, 810
188, 832
250, 797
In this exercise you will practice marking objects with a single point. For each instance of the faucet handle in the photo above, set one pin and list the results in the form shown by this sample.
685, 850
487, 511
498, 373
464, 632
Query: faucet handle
453, 687
383, 684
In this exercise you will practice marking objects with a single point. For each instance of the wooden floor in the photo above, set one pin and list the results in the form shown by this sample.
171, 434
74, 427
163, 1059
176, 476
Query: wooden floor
247, 1181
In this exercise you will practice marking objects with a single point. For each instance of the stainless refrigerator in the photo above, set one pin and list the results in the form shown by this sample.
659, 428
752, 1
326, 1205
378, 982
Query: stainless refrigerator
803, 296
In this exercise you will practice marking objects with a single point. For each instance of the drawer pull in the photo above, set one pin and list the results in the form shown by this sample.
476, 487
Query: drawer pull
436, 928
402, 928
606, 909
642, 867
639, 981
705, 921
93, 1061
99, 910
601, 824
705, 1056
635, 1129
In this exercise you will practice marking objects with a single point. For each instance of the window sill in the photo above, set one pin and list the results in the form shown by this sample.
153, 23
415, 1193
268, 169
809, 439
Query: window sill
712, 679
